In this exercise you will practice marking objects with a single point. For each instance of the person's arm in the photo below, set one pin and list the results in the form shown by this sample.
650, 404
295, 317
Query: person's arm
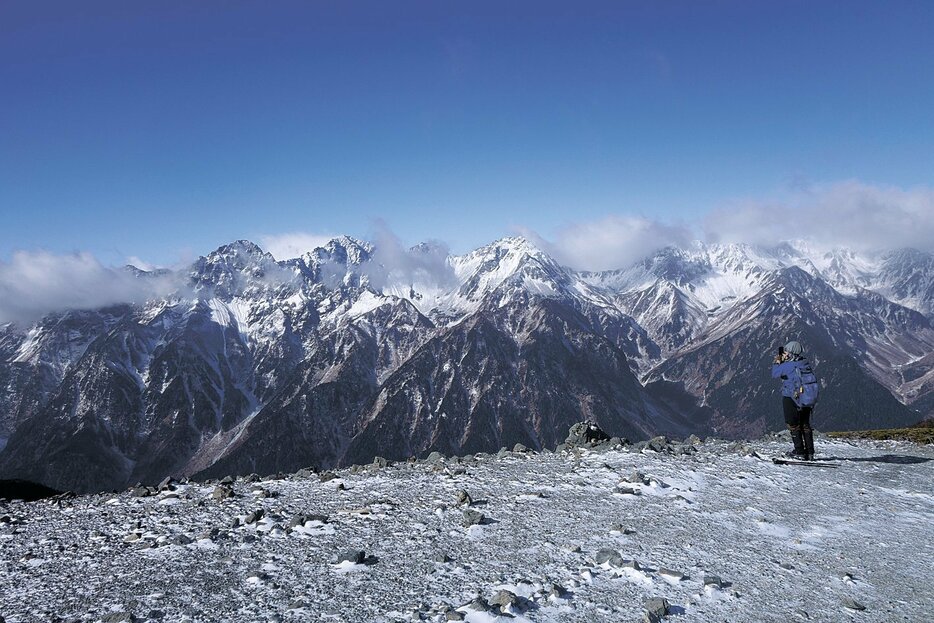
781, 370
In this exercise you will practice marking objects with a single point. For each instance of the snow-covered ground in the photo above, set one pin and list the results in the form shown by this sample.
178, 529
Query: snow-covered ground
787, 543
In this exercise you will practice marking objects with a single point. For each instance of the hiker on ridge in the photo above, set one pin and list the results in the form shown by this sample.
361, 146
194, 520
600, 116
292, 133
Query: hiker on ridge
799, 395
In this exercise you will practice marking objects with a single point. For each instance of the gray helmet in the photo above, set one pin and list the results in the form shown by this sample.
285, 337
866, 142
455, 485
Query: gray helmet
794, 348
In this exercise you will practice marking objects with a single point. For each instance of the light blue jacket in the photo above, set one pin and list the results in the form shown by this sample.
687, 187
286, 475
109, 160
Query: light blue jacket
786, 372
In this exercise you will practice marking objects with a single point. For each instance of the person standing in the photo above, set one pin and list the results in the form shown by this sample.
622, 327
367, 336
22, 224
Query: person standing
799, 395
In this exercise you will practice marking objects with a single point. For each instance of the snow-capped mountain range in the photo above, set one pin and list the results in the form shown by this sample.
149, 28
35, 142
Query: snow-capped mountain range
347, 352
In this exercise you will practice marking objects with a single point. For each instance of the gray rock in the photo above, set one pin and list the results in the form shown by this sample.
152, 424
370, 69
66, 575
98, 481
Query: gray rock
503, 452
167, 484
659, 444
252, 478
327, 476
435, 458
254, 516
140, 492
557, 592
454, 615
852, 604
442, 558
119, 617
713, 580
627, 491
355, 556
227, 480
156, 614
222, 492
180, 540
463, 498
585, 434
607, 555
480, 605
694, 440
471, 517
638, 478
504, 599
380, 462
295, 604
671, 573
656, 606
297, 520
519, 448
632, 564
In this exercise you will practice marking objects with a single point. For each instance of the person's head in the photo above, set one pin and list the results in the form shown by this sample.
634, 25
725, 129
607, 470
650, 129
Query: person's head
794, 348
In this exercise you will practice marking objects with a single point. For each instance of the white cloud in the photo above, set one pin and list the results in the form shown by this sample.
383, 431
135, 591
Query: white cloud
293, 244
394, 263
614, 241
845, 214
35, 283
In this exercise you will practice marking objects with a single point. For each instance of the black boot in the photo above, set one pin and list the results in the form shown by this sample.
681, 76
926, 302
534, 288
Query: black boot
798, 439
808, 438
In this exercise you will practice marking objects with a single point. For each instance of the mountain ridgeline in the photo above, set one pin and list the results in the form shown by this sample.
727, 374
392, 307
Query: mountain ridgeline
332, 358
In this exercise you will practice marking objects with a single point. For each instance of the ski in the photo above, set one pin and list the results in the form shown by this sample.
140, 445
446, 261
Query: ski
781, 461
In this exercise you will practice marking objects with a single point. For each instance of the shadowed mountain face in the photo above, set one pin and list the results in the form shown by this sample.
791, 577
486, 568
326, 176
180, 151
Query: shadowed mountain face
334, 358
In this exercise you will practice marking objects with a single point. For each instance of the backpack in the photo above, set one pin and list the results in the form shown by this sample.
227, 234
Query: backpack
808, 387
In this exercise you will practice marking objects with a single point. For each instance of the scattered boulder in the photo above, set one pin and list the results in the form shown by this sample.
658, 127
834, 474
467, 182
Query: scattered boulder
442, 558
472, 518
627, 491
463, 498
356, 557
852, 604
671, 573
222, 492
254, 516
327, 476
659, 444
435, 458
119, 617
585, 434
380, 462
168, 484
519, 448
504, 599
454, 615
228, 480
141, 492
655, 609
607, 555
713, 580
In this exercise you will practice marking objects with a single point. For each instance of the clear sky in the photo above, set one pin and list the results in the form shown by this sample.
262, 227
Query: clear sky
160, 129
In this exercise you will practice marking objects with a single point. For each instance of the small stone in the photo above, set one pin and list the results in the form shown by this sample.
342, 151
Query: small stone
659, 444
252, 478
656, 606
504, 599
442, 558
380, 462
627, 491
353, 556
632, 564
454, 615
852, 604
435, 458
156, 614
713, 580
463, 498
472, 518
327, 476
671, 573
637, 478
480, 605
167, 484
180, 540
607, 555
519, 448
227, 480
222, 492
254, 516
119, 617
296, 604
557, 592
297, 520
786, 565
141, 492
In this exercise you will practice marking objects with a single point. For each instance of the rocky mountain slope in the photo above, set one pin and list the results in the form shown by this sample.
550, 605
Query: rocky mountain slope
703, 532
254, 364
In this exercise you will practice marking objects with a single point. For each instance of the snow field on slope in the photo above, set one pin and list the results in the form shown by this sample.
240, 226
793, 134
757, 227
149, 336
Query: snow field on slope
784, 540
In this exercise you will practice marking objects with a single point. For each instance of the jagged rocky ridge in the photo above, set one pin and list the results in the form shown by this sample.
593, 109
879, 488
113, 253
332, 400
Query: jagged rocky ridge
258, 365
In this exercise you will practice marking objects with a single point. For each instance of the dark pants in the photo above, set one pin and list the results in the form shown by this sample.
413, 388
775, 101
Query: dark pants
795, 418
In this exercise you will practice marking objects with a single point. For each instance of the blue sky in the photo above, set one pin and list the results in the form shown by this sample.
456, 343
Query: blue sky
163, 129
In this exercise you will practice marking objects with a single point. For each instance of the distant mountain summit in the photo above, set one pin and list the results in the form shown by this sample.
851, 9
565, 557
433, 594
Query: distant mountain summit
253, 364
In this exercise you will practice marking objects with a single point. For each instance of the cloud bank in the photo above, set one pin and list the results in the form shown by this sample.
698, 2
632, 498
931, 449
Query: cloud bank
849, 214
293, 244
36, 283
614, 241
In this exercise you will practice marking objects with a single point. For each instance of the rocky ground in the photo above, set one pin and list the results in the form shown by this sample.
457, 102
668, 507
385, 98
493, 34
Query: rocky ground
694, 531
